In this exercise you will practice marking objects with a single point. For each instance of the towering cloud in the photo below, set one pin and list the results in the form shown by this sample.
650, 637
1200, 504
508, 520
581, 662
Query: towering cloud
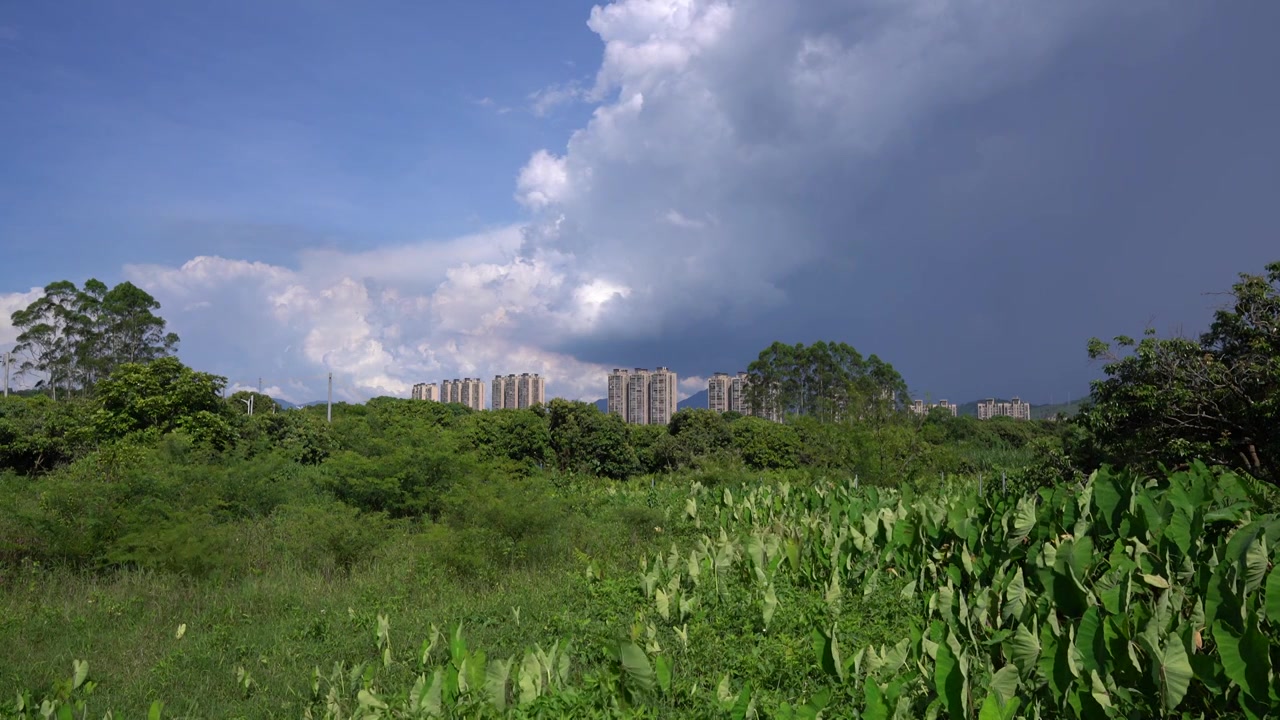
732, 165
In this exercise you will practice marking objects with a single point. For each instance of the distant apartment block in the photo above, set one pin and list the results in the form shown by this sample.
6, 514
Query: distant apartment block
663, 396
728, 393
467, 391
920, 408
426, 391
619, 380
641, 397
1015, 409
518, 391
638, 397
719, 386
738, 394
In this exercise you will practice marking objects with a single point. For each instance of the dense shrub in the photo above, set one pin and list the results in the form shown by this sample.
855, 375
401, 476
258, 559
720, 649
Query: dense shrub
329, 535
765, 445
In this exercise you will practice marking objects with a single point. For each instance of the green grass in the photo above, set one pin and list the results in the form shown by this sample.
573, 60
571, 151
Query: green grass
278, 627
280, 623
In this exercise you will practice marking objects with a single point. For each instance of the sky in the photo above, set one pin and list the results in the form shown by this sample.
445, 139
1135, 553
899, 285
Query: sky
402, 192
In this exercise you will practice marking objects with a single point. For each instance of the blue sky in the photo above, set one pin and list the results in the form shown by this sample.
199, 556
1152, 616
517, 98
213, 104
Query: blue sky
404, 192
157, 131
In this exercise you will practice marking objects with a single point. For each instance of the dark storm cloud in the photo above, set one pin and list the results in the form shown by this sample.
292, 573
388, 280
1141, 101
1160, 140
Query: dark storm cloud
1135, 171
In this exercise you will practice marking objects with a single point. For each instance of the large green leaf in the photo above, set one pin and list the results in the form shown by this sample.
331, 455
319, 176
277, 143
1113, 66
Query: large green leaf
1255, 564
1089, 640
1016, 598
1239, 549
1245, 658
662, 668
1005, 683
495, 682
636, 666
874, 707
1175, 674
770, 605
1179, 529
949, 677
1023, 650
1273, 597
1110, 497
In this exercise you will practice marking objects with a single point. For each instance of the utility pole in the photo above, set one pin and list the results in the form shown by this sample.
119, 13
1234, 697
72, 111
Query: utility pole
329, 412
249, 404
259, 386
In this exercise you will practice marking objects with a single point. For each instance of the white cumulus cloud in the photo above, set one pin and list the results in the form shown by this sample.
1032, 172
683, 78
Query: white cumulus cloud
729, 145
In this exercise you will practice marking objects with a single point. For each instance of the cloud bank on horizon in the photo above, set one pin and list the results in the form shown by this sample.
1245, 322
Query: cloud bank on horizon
735, 151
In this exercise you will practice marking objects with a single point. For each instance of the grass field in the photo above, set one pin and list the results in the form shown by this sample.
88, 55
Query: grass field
281, 624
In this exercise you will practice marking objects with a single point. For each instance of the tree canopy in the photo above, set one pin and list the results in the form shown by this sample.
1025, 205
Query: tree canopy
1171, 400
830, 381
71, 337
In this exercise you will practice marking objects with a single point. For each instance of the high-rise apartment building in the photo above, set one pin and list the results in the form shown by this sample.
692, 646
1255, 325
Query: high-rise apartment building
663, 396
619, 380
531, 389
919, 407
719, 387
738, 394
426, 391
519, 391
467, 391
638, 397
498, 390
641, 397
729, 393
1015, 409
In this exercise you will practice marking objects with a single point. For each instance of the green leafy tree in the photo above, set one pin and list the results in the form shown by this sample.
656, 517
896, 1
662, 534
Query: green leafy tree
583, 439
828, 381
160, 397
518, 435
38, 434
262, 404
700, 431
765, 445
71, 337
1170, 400
649, 442
302, 437
47, 336
133, 333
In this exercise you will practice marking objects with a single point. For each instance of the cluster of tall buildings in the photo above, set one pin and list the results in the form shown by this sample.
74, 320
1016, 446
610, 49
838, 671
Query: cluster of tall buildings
644, 397
987, 409
1015, 409
511, 391
468, 391
641, 397
919, 407
426, 391
518, 391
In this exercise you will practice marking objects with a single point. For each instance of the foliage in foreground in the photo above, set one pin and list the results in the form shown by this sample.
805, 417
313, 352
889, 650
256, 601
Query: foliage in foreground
1124, 598
1216, 398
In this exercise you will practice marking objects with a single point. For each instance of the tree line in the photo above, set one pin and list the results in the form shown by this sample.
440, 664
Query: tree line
70, 337
1162, 402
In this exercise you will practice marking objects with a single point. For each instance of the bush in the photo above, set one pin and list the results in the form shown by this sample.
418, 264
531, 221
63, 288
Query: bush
501, 523
329, 535
410, 481
189, 543
766, 445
